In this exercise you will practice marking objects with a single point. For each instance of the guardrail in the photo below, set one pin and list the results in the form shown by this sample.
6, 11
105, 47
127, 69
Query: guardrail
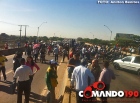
12, 51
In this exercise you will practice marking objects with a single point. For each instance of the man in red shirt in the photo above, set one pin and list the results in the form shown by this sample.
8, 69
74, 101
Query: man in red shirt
49, 49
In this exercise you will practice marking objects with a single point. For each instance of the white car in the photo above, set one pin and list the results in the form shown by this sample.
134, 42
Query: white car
128, 62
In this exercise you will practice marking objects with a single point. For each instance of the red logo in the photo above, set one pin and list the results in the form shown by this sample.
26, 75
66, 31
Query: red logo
96, 85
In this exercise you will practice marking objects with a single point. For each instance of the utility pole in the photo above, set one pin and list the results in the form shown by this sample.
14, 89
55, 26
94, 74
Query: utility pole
25, 31
20, 32
109, 30
38, 31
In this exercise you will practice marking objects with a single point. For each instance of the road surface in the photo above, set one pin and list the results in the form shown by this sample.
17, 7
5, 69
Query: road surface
125, 80
38, 88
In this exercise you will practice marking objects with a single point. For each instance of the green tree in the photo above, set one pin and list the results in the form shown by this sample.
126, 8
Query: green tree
79, 39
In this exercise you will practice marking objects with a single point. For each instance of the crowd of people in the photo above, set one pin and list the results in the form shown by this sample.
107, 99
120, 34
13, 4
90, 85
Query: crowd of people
84, 70
24, 69
83, 67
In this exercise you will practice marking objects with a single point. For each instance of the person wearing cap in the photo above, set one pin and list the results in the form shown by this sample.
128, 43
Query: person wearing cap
3, 59
22, 73
82, 78
73, 62
51, 80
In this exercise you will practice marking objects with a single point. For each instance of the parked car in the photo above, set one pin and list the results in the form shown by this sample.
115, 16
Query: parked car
128, 62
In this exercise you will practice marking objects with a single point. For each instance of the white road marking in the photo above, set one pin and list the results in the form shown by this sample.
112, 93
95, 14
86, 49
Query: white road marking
8, 72
8, 57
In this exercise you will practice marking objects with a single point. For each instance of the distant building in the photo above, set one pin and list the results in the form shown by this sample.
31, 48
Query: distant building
123, 35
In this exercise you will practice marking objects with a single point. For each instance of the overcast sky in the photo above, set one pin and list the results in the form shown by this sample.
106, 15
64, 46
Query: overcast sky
69, 18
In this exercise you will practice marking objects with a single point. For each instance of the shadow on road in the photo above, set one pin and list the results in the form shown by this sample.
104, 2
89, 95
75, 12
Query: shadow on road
129, 71
7, 82
36, 98
6, 89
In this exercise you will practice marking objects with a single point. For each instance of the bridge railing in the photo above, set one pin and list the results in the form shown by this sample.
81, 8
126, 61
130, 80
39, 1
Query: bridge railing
12, 51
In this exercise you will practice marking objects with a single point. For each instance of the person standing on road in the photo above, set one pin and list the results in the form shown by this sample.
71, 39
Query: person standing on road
18, 45
56, 51
82, 78
73, 62
16, 60
42, 54
65, 54
106, 76
96, 49
23, 73
36, 52
16, 64
29, 50
32, 64
67, 48
95, 69
49, 49
83, 51
3, 59
71, 54
25, 46
51, 80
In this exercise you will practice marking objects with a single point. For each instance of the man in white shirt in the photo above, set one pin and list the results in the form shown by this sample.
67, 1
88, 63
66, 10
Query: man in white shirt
82, 77
22, 73
83, 51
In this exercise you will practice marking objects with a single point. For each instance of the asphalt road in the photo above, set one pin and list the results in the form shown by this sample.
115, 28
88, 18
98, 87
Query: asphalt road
125, 80
38, 88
